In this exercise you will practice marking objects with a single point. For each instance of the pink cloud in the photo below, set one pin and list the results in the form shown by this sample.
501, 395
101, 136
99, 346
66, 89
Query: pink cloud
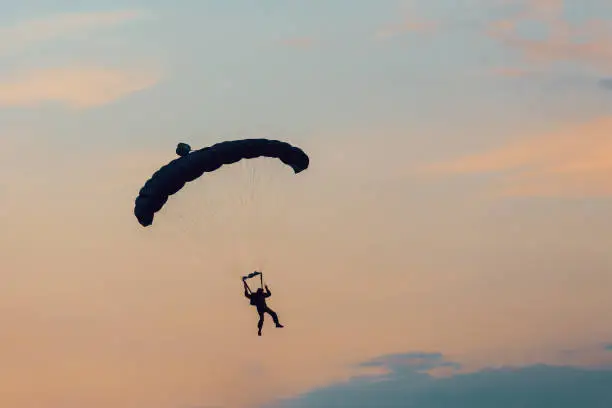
298, 42
576, 161
77, 87
410, 23
588, 43
511, 72
55, 26
407, 26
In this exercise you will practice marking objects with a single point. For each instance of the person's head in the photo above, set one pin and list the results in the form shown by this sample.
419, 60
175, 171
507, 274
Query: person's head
259, 290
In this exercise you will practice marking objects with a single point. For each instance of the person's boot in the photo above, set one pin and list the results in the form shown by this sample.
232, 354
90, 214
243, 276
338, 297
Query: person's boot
279, 325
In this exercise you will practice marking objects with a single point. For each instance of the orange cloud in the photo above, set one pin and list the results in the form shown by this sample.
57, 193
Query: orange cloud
412, 23
511, 72
75, 87
408, 25
588, 43
298, 42
576, 161
60, 25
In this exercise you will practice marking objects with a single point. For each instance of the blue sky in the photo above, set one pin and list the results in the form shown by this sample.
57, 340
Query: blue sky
224, 59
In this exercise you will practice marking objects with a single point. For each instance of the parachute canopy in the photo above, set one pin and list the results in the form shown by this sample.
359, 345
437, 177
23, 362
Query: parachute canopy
171, 178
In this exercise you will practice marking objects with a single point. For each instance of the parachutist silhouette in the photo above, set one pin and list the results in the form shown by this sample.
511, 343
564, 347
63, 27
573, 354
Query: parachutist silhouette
258, 299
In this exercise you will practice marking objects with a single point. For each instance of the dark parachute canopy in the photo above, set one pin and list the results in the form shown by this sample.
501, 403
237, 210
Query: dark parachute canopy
169, 179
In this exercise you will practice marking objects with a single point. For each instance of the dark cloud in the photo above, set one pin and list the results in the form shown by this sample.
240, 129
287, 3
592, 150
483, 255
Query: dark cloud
407, 385
606, 83
608, 347
416, 361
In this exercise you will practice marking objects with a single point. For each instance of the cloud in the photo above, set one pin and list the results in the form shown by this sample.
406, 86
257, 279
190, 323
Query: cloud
511, 72
56, 26
587, 43
407, 26
418, 361
576, 161
433, 363
299, 42
407, 385
76, 87
606, 83
411, 23
592, 355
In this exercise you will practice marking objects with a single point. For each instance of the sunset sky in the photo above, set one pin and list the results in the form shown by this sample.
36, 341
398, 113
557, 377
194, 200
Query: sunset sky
448, 246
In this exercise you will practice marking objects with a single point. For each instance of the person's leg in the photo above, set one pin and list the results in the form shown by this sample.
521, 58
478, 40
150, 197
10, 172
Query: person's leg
274, 317
260, 323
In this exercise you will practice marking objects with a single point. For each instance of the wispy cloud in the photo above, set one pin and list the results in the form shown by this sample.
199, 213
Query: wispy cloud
76, 87
419, 361
298, 42
56, 26
511, 72
407, 26
588, 43
606, 83
576, 161
410, 22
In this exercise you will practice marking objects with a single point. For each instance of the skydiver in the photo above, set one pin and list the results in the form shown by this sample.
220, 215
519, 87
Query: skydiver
258, 299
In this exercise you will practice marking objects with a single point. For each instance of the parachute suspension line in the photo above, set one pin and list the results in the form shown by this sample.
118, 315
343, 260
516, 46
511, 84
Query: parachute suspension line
259, 186
189, 230
173, 176
184, 231
249, 237
239, 232
257, 238
252, 275
262, 195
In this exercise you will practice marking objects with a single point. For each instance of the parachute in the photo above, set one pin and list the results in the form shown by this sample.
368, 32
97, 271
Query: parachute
172, 177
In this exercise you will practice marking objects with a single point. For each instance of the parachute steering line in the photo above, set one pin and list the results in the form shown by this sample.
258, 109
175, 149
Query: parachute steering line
251, 275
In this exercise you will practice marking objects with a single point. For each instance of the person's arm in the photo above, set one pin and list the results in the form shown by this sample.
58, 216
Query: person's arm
246, 291
268, 293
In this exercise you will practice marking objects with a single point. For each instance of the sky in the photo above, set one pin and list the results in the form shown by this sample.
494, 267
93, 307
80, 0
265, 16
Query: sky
448, 246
